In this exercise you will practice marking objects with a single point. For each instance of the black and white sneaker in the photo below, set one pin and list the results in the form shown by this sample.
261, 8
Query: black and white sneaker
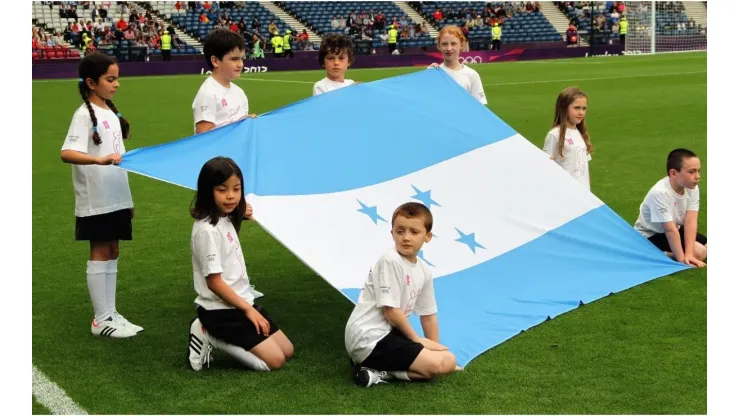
366, 377
199, 348
111, 328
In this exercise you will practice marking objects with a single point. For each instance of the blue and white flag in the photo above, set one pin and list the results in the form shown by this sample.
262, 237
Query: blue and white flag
516, 239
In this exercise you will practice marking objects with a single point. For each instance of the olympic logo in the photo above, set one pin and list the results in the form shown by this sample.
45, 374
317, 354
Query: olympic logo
470, 60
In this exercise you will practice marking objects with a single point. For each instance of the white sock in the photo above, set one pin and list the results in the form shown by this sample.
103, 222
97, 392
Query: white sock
401, 375
245, 357
96, 286
111, 275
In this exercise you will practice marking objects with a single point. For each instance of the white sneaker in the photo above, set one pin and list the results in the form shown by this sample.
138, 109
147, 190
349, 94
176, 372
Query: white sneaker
367, 377
117, 317
199, 348
111, 328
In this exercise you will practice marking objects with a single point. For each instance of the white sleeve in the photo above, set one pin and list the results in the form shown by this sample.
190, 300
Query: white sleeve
246, 103
317, 90
206, 252
660, 207
204, 107
476, 89
387, 279
694, 198
426, 304
551, 145
78, 136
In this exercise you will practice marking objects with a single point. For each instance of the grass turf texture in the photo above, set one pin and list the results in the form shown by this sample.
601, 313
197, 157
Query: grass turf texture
639, 351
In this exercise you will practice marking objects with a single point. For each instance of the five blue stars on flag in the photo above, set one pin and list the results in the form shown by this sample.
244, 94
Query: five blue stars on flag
424, 197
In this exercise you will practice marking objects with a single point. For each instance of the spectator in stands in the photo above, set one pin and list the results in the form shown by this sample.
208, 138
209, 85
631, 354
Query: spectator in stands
466, 33
203, 18
437, 15
58, 38
303, 39
412, 30
272, 28
404, 33
424, 30
478, 21
404, 21
178, 6
470, 23
379, 21
334, 23
571, 35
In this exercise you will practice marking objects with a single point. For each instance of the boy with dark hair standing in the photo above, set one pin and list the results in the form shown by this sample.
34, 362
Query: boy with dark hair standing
219, 101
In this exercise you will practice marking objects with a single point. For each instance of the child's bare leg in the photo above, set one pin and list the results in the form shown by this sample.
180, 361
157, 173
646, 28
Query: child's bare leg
700, 251
283, 343
430, 364
103, 250
269, 352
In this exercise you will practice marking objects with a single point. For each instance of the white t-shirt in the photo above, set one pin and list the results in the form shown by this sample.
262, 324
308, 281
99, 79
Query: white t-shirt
575, 155
216, 249
663, 204
468, 79
98, 189
393, 281
218, 104
326, 85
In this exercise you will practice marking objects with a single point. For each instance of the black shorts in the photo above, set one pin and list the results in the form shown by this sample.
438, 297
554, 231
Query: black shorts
233, 326
104, 227
661, 241
395, 352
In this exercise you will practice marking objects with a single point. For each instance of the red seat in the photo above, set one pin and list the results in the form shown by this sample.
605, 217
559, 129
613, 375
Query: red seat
35, 55
50, 54
57, 47
74, 54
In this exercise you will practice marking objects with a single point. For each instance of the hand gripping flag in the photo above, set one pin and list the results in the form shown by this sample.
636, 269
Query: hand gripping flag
516, 239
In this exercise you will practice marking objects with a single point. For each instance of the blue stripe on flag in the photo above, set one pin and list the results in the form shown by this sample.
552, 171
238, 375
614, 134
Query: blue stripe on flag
324, 144
581, 261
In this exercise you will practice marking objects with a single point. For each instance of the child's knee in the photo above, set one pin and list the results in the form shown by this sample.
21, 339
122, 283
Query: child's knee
288, 350
275, 361
700, 251
444, 363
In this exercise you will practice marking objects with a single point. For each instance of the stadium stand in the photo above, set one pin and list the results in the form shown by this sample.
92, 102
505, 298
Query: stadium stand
127, 30
671, 18
520, 22
240, 14
360, 20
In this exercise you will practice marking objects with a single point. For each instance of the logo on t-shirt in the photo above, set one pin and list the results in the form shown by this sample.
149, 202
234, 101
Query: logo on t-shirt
228, 235
72, 138
224, 103
408, 280
203, 108
106, 125
570, 141
211, 258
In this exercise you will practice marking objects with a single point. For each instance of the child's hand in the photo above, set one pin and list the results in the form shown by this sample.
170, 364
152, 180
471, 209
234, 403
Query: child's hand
248, 116
132, 213
431, 345
693, 262
111, 159
249, 212
434, 65
259, 321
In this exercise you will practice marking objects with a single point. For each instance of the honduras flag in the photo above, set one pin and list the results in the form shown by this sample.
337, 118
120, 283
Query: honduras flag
516, 239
